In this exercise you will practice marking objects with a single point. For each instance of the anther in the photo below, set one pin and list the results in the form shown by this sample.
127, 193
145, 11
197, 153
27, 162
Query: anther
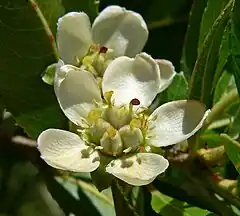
127, 150
135, 102
103, 49
98, 148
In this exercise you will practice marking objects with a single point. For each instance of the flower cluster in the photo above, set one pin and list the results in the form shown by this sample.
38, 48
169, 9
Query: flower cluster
109, 115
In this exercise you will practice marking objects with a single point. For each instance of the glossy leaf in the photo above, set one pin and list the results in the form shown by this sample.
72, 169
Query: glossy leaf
232, 149
204, 69
27, 48
190, 49
166, 206
79, 197
25, 52
122, 204
225, 83
234, 41
176, 91
210, 138
211, 12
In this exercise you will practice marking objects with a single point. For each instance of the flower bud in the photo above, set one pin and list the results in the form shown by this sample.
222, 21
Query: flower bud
118, 117
97, 130
131, 137
111, 142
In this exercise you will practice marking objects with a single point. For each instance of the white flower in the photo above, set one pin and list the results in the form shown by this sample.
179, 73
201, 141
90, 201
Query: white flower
123, 31
116, 126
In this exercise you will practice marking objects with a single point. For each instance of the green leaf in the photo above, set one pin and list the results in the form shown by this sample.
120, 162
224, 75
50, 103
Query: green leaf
27, 48
79, 197
234, 41
23, 186
211, 138
122, 204
223, 56
191, 41
232, 148
234, 129
167, 206
25, 52
211, 12
205, 66
178, 186
224, 85
176, 91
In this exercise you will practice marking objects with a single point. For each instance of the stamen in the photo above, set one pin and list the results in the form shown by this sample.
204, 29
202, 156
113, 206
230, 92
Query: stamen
108, 96
135, 102
103, 49
111, 131
94, 48
98, 148
127, 150
148, 149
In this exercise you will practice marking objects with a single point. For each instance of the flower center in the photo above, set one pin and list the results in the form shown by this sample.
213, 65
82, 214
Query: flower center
116, 130
96, 60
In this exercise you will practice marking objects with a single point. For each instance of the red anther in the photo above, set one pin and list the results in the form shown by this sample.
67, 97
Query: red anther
135, 101
103, 49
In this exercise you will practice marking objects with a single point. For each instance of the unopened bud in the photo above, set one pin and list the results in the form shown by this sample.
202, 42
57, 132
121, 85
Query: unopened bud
131, 137
111, 143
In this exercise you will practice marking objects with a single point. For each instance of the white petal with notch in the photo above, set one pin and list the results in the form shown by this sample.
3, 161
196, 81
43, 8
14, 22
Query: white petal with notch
174, 122
65, 150
76, 93
139, 169
122, 30
167, 73
131, 78
73, 36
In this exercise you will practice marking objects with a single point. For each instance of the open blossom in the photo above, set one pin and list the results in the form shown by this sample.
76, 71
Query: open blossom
123, 31
115, 32
112, 121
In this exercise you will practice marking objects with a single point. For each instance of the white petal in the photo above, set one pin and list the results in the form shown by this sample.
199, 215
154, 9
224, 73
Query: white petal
122, 30
132, 78
73, 36
65, 150
76, 93
139, 169
60, 74
174, 122
167, 73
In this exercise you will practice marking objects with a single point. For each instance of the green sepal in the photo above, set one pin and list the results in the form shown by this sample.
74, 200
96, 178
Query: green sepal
49, 73
101, 179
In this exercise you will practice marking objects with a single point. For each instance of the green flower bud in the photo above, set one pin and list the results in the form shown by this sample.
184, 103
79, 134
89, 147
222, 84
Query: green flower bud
117, 117
111, 142
131, 137
97, 130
